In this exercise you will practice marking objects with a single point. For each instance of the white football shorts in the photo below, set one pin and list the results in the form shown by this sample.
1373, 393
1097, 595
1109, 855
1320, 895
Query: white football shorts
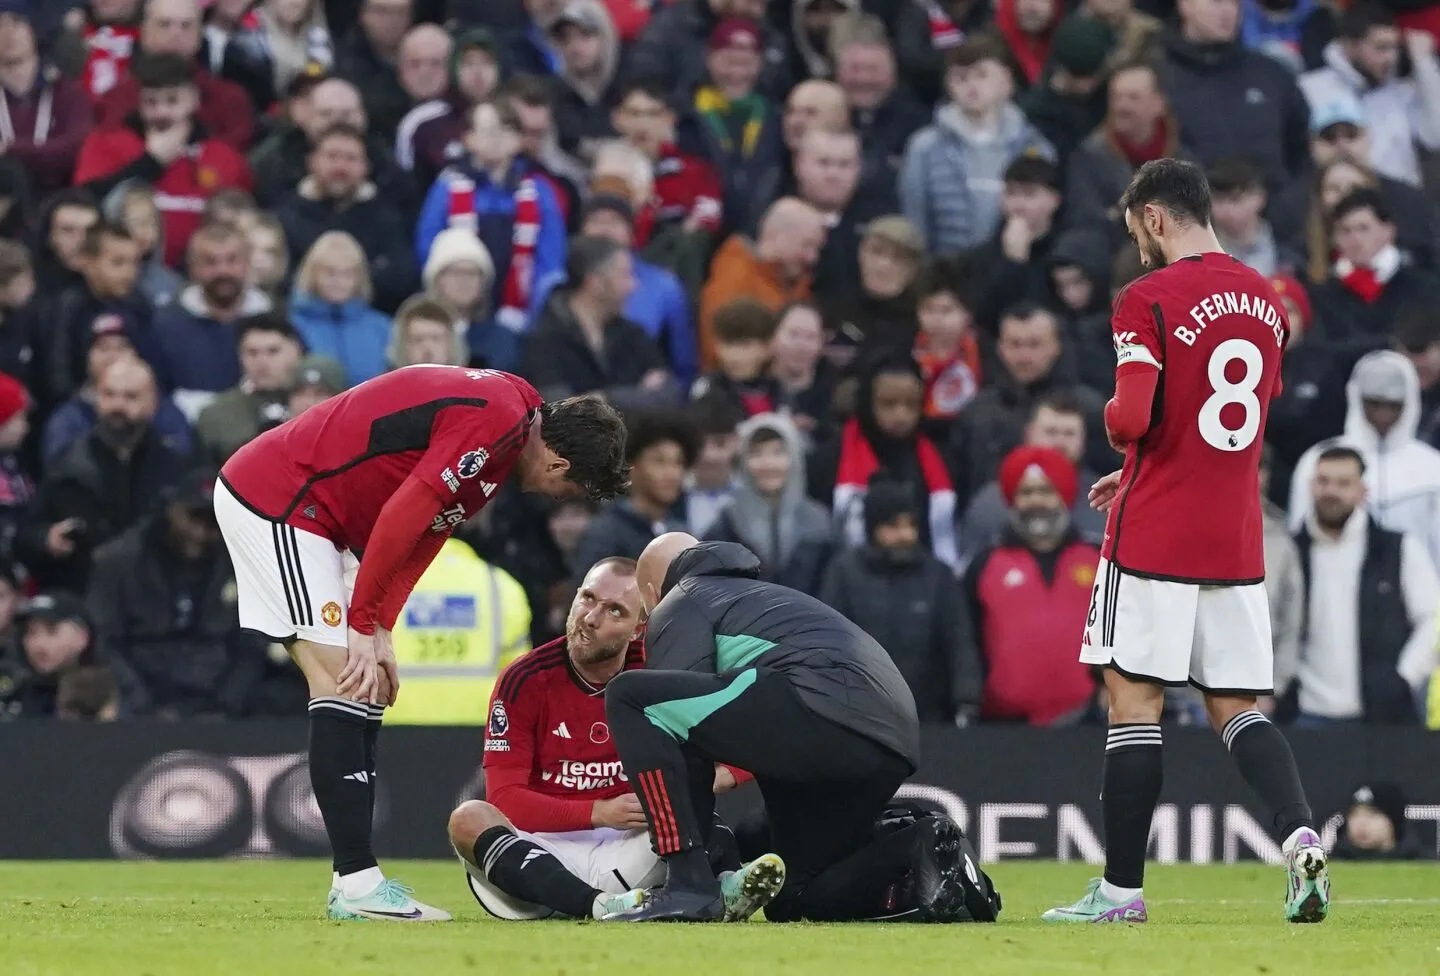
613, 861
1216, 638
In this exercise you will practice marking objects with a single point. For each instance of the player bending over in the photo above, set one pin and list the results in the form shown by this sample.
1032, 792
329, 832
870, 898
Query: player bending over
388, 469
1180, 595
563, 831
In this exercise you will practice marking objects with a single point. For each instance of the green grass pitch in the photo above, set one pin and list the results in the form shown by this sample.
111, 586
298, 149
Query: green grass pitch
265, 918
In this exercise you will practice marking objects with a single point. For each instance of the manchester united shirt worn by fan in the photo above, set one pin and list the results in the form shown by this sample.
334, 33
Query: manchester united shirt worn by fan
425, 445
1179, 596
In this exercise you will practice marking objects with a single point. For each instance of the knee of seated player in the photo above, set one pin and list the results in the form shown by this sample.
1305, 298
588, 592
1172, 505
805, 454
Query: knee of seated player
471, 819
1133, 702
320, 663
1222, 708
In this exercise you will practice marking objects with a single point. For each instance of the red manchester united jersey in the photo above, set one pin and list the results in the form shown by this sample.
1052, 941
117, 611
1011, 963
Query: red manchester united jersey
547, 722
1188, 508
331, 469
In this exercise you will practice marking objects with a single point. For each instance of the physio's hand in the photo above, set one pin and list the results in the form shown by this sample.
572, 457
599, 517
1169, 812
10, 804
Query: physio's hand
1102, 492
357, 679
724, 779
621, 812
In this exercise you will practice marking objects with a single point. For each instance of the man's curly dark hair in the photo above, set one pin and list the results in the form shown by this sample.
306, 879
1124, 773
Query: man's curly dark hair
590, 434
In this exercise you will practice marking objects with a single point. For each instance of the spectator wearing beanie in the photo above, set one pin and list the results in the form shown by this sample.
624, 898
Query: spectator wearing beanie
16, 486
1069, 101
884, 436
459, 274
1375, 827
582, 343
55, 641
929, 639
1029, 596
659, 304
1137, 34
44, 117
769, 512
672, 45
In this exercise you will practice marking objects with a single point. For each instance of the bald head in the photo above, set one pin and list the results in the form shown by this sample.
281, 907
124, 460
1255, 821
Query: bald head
814, 103
333, 102
655, 562
424, 62
791, 235
125, 397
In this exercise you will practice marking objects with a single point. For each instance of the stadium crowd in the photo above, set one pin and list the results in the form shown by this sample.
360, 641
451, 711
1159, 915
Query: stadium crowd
846, 265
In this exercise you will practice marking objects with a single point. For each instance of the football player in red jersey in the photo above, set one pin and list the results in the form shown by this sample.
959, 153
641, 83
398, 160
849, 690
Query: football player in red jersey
332, 517
562, 831
1179, 594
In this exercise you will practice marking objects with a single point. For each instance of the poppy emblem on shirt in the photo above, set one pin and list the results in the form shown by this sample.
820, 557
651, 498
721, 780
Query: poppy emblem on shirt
599, 733
1083, 576
471, 462
330, 614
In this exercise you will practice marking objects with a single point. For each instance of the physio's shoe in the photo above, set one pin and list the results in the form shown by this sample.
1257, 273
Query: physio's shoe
1095, 907
1307, 898
607, 904
676, 905
752, 887
389, 902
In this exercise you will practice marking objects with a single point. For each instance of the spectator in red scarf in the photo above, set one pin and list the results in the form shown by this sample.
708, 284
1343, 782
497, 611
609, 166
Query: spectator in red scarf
1370, 283
1138, 128
43, 117
1030, 594
884, 435
165, 144
173, 27
101, 37
1028, 26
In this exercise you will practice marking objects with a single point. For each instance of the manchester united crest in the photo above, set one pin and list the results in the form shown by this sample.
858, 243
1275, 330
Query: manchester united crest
330, 614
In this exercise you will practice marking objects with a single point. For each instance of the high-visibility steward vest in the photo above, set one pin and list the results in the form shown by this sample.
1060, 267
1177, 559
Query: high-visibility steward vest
463, 623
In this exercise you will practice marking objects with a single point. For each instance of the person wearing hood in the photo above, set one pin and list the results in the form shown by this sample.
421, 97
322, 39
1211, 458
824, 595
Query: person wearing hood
1204, 66
951, 177
1078, 269
586, 91
660, 449
1402, 114
812, 53
883, 113
1367, 646
1374, 827
750, 673
672, 46
1028, 366
1370, 284
1402, 475
1138, 127
1057, 422
1293, 32
1069, 100
432, 134
459, 274
1028, 29
770, 513
517, 217
884, 436
1029, 593
338, 196
331, 308
930, 641
582, 343
166, 145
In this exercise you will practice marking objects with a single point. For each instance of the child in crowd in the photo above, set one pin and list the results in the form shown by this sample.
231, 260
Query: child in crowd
945, 347
269, 255
426, 332
459, 274
132, 205
331, 307
743, 330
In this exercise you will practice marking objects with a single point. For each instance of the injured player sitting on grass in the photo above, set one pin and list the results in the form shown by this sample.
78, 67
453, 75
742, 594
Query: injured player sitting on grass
562, 832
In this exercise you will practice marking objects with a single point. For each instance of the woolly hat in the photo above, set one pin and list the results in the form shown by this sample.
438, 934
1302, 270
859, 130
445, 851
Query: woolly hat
1288, 286
13, 397
1028, 459
454, 246
1081, 46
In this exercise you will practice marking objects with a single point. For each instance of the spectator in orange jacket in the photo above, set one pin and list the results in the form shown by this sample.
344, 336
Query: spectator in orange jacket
167, 146
775, 269
173, 27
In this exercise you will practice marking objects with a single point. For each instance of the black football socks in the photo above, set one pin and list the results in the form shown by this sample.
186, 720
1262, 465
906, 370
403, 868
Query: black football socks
1267, 764
525, 870
340, 775
372, 750
1131, 788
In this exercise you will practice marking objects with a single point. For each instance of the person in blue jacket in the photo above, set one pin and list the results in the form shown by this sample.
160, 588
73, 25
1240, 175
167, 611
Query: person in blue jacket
516, 217
330, 308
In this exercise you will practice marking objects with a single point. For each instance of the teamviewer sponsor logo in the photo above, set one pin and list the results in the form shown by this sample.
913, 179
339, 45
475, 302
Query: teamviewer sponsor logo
574, 774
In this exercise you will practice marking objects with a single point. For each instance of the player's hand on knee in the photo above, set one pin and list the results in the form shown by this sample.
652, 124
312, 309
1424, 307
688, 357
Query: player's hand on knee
357, 679
388, 673
620, 812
